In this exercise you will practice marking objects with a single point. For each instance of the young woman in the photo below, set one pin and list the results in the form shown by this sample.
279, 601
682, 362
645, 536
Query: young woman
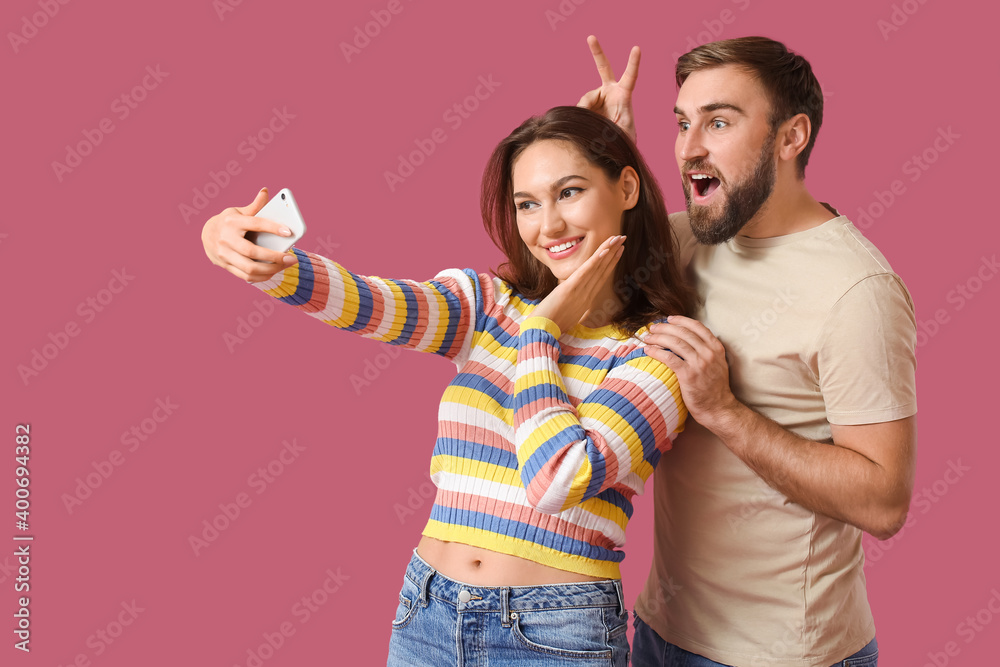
556, 416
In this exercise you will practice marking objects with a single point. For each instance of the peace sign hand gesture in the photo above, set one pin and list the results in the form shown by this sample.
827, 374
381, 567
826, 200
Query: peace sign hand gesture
614, 98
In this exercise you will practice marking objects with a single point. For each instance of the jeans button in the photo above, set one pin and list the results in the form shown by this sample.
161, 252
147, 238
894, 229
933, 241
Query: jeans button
464, 596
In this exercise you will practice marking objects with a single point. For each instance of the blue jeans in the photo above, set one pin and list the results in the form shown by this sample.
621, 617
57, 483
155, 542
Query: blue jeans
652, 651
442, 622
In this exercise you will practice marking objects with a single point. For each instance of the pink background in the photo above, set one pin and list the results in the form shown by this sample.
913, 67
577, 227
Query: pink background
163, 334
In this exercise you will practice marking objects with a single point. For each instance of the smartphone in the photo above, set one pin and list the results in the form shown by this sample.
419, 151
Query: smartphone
282, 209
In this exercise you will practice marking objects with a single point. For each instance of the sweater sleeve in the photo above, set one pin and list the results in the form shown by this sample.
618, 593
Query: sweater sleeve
436, 316
614, 438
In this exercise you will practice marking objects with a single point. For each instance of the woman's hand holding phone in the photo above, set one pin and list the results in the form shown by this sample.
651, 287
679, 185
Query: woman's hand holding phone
225, 245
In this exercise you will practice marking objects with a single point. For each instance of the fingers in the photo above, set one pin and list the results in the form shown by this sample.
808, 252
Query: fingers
696, 333
600, 266
246, 269
224, 238
667, 358
631, 70
607, 253
682, 349
603, 66
255, 205
255, 224
592, 100
246, 248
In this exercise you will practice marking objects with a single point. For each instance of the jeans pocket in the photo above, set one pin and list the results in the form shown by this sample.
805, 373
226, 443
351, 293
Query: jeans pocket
572, 634
408, 603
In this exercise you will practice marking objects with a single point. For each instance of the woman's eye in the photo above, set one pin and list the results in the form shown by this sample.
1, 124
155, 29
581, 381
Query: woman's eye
569, 192
525, 205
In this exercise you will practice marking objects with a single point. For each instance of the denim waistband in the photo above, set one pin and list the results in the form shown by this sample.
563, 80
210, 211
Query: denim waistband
470, 598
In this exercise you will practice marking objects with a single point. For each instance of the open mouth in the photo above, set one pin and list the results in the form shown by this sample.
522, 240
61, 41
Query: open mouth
704, 185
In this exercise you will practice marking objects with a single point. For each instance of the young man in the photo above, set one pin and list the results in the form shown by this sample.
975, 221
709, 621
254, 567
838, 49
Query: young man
798, 369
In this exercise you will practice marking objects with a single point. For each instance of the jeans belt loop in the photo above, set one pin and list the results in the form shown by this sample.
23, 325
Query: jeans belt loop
505, 607
425, 586
622, 609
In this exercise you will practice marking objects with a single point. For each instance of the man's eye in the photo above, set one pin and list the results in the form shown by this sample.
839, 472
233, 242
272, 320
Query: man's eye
683, 125
719, 124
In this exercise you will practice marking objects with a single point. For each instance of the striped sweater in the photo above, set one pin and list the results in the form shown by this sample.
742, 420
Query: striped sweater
543, 436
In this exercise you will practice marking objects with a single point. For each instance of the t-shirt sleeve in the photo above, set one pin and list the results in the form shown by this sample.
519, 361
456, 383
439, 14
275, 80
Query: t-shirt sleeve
436, 316
866, 359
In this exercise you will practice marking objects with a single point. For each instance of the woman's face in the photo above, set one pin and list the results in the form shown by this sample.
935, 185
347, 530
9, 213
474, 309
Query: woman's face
566, 206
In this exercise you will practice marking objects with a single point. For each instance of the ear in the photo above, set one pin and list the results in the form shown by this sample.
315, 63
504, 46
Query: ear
793, 136
628, 182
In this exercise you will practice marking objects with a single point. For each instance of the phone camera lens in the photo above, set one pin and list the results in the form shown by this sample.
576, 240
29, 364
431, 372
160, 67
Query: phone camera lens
282, 195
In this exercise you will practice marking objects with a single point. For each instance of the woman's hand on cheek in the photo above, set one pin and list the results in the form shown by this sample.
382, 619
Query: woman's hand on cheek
573, 298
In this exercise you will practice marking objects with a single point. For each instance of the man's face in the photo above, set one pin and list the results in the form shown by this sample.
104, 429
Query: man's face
725, 150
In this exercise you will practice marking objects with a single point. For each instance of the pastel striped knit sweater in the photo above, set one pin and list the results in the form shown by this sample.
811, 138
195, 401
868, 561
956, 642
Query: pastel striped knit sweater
543, 436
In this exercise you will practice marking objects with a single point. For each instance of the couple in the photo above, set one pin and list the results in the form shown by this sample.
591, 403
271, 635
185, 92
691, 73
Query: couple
579, 363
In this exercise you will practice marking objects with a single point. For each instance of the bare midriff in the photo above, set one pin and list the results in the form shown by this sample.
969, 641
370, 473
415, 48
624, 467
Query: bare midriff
482, 567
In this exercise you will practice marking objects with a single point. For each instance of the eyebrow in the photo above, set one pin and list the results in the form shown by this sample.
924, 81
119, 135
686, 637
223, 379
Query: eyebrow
555, 186
714, 106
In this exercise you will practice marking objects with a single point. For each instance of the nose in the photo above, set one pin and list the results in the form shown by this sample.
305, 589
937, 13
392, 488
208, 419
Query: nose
690, 145
552, 220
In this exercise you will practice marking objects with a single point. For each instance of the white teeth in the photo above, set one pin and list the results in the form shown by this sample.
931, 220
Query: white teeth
700, 176
563, 246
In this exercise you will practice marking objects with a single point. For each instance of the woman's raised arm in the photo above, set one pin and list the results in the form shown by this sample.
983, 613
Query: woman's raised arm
431, 316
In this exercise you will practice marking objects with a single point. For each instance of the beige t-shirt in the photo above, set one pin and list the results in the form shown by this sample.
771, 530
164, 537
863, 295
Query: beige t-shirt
818, 330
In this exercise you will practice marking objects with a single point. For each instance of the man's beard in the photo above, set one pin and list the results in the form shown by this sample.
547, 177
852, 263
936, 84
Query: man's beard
743, 199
